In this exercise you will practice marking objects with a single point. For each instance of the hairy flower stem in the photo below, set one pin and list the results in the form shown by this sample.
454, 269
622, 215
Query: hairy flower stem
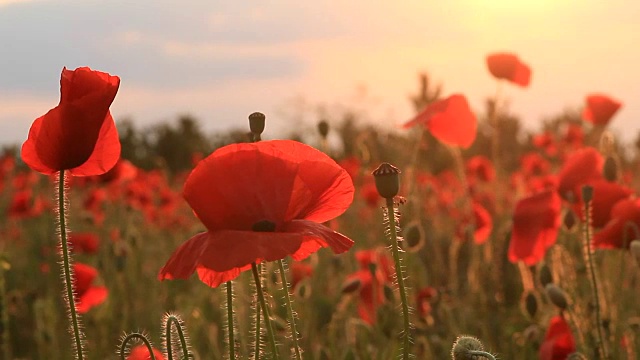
232, 343
290, 313
485, 354
66, 267
265, 310
588, 252
400, 278
172, 321
136, 336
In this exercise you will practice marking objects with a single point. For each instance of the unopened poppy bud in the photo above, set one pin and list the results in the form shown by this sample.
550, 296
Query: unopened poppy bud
545, 275
556, 295
464, 348
634, 247
530, 304
323, 128
610, 170
387, 180
414, 236
256, 123
569, 220
587, 193
351, 286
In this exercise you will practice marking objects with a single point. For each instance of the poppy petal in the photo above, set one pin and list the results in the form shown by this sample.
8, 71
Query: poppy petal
509, 67
93, 296
315, 236
600, 109
105, 154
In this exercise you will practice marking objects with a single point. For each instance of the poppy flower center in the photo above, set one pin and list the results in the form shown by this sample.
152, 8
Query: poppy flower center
264, 226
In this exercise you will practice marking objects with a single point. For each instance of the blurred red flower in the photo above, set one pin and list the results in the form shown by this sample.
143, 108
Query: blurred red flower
451, 121
600, 109
580, 168
299, 272
141, 352
260, 202
605, 195
625, 214
423, 300
88, 294
480, 168
87, 242
25, 205
376, 270
558, 341
79, 134
536, 221
509, 67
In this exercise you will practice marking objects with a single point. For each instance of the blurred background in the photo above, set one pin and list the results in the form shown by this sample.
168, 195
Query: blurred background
219, 61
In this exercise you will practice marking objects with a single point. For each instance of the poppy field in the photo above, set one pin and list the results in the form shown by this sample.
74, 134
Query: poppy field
458, 235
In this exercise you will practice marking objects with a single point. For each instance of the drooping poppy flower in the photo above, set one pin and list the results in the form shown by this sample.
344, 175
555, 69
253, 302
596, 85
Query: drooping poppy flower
580, 168
88, 294
141, 352
87, 242
558, 341
260, 202
536, 221
79, 134
600, 109
509, 67
625, 215
450, 120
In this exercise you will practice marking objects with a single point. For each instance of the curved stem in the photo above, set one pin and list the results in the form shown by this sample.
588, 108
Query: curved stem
66, 267
481, 353
265, 310
290, 313
588, 251
175, 321
230, 326
400, 278
147, 343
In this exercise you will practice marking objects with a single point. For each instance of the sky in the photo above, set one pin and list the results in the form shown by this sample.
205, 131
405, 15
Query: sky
222, 60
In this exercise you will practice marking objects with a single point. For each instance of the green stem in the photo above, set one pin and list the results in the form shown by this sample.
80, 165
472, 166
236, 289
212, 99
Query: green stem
230, 326
66, 267
258, 330
400, 279
292, 318
139, 336
173, 320
481, 353
592, 272
265, 310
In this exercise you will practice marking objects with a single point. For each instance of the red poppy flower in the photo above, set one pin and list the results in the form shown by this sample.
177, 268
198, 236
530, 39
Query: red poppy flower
580, 168
509, 67
87, 243
260, 202
558, 341
25, 205
88, 294
141, 352
451, 121
371, 294
536, 221
624, 215
480, 167
423, 300
600, 109
79, 134
299, 272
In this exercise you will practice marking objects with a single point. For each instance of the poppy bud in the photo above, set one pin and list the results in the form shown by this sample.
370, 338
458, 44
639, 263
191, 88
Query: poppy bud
323, 128
530, 304
464, 346
256, 124
351, 286
388, 293
556, 295
545, 275
387, 180
570, 219
634, 247
414, 236
587, 193
610, 170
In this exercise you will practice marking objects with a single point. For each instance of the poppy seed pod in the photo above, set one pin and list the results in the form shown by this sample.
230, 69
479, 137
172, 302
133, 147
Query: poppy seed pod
256, 123
323, 128
545, 275
569, 220
387, 180
556, 295
587, 193
530, 304
610, 170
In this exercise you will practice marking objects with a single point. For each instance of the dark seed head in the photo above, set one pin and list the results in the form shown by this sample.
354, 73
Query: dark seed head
256, 123
387, 180
323, 128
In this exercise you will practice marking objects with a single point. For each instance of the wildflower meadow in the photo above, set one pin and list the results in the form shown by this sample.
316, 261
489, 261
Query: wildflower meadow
457, 235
